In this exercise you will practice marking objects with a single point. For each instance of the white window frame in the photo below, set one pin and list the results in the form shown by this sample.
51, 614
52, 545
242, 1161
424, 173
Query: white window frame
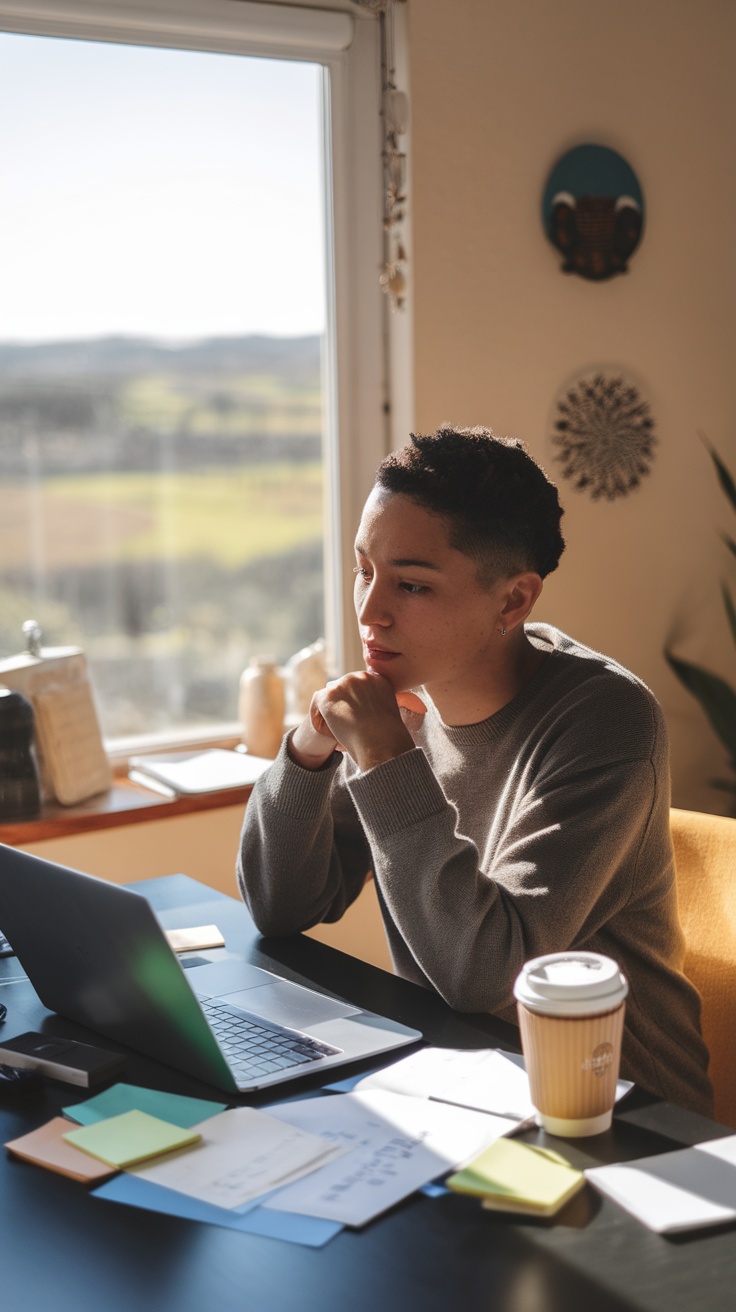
358, 427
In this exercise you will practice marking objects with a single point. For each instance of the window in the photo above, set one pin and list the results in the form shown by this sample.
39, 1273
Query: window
183, 447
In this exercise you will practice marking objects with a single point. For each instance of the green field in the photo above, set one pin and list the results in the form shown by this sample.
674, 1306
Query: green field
169, 579
237, 405
230, 517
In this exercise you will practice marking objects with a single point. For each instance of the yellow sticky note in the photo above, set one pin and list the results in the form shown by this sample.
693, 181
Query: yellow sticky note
129, 1138
517, 1177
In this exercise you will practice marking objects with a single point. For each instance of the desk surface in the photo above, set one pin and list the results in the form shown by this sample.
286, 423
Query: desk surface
63, 1249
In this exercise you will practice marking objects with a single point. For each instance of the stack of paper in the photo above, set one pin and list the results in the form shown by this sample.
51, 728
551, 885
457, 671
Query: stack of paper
397, 1144
189, 1144
339, 1159
307, 1167
517, 1177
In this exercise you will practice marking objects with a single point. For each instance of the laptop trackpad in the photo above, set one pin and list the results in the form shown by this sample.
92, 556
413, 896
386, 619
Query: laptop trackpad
253, 989
219, 977
288, 1004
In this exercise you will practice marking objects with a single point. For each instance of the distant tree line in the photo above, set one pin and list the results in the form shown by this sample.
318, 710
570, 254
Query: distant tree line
60, 404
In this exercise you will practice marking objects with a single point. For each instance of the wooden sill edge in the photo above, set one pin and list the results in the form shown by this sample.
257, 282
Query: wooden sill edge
126, 803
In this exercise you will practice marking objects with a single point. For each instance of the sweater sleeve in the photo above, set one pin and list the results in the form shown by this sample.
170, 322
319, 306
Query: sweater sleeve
560, 866
303, 855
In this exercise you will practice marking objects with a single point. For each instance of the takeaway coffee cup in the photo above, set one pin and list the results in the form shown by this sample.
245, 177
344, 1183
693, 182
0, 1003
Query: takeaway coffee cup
571, 1016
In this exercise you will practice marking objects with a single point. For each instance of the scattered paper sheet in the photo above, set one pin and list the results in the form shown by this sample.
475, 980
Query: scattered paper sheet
119, 1098
244, 1153
398, 1143
684, 1190
485, 1079
136, 1192
129, 1138
482, 1079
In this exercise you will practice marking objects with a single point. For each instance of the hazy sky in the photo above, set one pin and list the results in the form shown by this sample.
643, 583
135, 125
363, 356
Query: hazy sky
162, 192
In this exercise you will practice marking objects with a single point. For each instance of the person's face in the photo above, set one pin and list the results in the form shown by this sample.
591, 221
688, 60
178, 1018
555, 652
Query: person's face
424, 617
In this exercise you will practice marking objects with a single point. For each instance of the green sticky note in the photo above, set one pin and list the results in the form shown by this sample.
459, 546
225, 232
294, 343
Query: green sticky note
119, 1098
514, 1176
133, 1137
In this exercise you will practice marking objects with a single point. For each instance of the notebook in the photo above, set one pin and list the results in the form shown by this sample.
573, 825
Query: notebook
96, 953
198, 772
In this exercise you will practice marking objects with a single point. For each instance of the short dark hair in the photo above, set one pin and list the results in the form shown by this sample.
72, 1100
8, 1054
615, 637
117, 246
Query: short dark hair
503, 510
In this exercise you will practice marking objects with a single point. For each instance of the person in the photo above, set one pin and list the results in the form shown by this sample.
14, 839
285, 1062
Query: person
507, 786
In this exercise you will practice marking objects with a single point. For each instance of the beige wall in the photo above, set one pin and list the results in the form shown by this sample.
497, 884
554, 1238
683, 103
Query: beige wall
500, 88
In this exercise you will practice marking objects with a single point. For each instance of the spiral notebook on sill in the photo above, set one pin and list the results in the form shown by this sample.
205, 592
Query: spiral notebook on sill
194, 772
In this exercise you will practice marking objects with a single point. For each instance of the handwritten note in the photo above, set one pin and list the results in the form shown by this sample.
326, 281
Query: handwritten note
397, 1144
244, 1153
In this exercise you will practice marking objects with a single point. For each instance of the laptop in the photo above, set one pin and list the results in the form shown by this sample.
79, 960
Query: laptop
96, 953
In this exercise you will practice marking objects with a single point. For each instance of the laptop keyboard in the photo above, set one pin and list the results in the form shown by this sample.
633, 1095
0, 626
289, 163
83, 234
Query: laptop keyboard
253, 1049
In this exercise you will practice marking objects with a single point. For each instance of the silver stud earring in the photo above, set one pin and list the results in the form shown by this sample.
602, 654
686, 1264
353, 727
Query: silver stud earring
503, 633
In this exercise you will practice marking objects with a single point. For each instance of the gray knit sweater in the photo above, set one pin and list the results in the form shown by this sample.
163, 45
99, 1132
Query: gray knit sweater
544, 827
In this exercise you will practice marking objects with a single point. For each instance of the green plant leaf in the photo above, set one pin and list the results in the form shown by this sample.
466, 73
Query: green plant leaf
725, 785
724, 477
730, 609
716, 697
729, 543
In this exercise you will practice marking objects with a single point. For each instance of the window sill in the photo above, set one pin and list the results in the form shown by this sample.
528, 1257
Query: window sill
119, 750
126, 803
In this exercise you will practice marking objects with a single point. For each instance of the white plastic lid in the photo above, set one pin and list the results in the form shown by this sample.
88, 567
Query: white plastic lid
571, 984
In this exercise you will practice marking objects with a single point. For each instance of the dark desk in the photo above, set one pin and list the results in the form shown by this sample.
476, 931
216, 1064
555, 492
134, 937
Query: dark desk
62, 1249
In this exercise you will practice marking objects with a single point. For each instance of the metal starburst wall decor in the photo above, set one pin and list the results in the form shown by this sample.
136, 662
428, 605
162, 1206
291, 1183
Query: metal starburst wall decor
603, 434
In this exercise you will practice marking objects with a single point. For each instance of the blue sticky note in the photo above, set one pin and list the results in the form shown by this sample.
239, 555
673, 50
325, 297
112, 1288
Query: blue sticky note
119, 1098
251, 1219
434, 1190
134, 1191
347, 1085
311, 1231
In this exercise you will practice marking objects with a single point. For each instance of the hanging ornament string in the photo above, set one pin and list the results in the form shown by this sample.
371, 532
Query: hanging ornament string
395, 117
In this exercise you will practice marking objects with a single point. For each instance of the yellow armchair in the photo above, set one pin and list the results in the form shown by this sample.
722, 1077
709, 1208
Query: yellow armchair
705, 860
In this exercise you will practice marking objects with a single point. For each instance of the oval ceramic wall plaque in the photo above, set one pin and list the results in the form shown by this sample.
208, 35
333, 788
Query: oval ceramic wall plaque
593, 211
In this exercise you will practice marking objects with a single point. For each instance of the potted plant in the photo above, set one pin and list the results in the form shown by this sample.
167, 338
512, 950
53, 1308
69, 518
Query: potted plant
716, 696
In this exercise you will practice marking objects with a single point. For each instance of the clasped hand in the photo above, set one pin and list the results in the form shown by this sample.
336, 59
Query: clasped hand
359, 714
